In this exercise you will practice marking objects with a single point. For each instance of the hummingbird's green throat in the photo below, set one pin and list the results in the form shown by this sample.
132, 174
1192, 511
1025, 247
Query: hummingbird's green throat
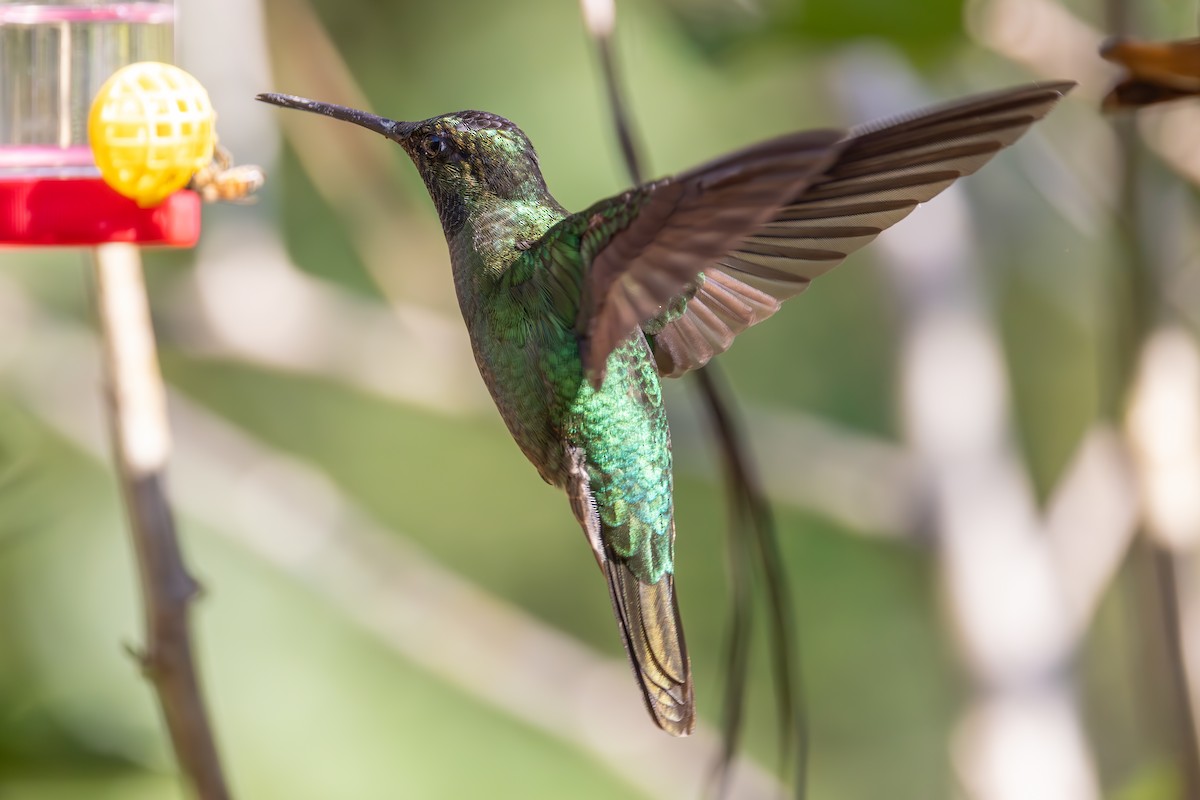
574, 318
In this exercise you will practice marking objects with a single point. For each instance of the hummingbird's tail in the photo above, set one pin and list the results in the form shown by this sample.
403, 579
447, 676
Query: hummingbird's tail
650, 625
646, 611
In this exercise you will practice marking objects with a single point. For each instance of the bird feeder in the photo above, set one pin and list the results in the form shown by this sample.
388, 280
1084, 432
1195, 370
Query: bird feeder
92, 149
99, 134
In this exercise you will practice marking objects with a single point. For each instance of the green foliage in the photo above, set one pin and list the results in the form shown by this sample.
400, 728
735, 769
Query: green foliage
922, 28
926, 31
308, 705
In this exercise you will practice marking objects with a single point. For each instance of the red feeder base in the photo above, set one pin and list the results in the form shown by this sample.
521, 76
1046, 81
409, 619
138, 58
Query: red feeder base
72, 212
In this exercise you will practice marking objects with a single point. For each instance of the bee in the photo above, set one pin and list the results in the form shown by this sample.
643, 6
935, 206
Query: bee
221, 181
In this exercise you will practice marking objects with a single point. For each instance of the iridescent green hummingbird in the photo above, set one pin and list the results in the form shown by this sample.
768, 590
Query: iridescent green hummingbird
573, 318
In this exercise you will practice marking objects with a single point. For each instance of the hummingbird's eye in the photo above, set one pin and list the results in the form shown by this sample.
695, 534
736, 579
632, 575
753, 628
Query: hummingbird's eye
434, 146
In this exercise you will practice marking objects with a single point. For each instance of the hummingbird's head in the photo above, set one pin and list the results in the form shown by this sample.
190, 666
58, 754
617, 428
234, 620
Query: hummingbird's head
472, 159
469, 160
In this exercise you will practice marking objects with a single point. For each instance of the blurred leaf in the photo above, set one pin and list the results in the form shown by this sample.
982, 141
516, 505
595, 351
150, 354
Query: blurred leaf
1158, 780
925, 31
917, 28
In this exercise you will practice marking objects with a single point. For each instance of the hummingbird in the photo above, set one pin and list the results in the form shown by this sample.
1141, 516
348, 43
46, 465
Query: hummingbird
575, 317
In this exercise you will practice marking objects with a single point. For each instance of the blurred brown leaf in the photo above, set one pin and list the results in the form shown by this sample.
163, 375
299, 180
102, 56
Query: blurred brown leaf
1157, 71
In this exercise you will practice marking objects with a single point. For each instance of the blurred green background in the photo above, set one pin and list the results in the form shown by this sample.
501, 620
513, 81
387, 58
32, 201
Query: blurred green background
309, 704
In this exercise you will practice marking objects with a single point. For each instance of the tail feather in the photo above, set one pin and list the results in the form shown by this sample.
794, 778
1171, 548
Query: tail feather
649, 620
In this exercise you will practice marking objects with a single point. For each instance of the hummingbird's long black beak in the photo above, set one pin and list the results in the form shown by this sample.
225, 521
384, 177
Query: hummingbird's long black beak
392, 129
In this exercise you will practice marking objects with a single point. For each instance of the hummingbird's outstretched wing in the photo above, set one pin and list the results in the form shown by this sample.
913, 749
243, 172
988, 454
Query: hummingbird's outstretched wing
696, 259
609, 269
884, 171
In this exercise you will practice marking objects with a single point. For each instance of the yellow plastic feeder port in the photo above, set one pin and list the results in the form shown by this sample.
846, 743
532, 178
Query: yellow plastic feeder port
150, 129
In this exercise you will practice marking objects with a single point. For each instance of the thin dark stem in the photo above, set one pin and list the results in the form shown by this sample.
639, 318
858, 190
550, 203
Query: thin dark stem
749, 514
751, 510
1127, 289
1164, 570
137, 421
737, 644
1136, 305
616, 105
